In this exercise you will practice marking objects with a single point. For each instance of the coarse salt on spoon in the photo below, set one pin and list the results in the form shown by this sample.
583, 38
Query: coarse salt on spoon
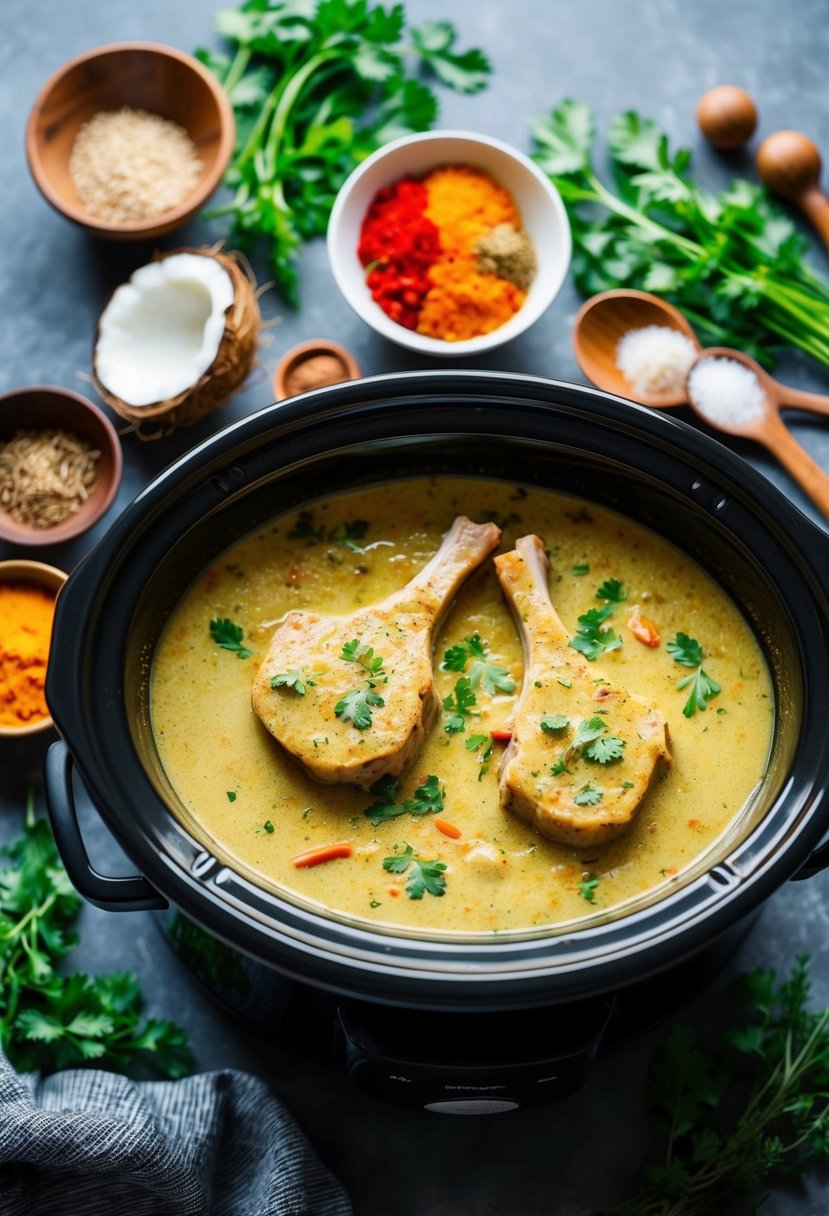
731, 392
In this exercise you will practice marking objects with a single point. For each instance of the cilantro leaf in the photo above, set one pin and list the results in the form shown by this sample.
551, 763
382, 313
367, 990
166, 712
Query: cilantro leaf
425, 876
593, 637
348, 533
466, 73
356, 706
611, 590
483, 673
564, 138
688, 652
605, 750
49, 1020
587, 731
372, 664
483, 745
554, 724
305, 528
292, 679
459, 705
559, 767
589, 795
426, 799
229, 635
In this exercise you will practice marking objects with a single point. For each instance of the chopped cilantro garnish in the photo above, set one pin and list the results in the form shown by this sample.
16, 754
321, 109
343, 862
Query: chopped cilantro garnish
228, 635
459, 706
483, 673
268, 826
482, 744
593, 637
605, 750
554, 724
356, 706
357, 652
292, 679
424, 875
305, 529
559, 767
581, 568
587, 888
426, 799
587, 732
589, 795
611, 590
688, 652
231, 795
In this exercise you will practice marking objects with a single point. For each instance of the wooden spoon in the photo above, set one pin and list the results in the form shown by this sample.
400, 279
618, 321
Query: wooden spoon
766, 426
789, 164
601, 323
605, 318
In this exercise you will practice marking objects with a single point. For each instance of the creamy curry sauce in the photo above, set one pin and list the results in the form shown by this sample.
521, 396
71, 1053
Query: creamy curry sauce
256, 809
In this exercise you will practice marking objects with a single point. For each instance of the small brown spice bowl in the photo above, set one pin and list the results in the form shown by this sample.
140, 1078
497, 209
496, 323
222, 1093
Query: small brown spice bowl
144, 76
21, 573
45, 407
312, 365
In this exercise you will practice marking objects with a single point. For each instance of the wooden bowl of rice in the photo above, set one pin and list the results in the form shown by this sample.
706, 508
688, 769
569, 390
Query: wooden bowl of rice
60, 465
130, 140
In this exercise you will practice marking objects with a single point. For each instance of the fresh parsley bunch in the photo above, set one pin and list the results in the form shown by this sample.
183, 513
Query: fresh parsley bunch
316, 86
736, 1117
733, 261
50, 1020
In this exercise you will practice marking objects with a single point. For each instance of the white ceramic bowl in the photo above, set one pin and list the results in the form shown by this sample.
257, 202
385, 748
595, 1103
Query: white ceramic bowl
537, 199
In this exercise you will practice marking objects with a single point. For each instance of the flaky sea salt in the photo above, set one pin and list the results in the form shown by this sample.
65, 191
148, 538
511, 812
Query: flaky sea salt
655, 359
726, 392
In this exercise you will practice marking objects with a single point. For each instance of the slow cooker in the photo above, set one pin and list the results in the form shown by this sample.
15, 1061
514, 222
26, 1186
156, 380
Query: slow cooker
389, 997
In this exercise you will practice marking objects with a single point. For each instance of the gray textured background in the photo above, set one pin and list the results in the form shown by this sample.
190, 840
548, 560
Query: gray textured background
656, 57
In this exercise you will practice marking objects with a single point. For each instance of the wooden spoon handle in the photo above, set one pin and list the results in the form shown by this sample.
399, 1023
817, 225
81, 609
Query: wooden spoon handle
807, 472
795, 398
816, 205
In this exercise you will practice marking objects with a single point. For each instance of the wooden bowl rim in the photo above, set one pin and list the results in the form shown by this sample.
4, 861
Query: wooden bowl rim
306, 350
74, 526
167, 220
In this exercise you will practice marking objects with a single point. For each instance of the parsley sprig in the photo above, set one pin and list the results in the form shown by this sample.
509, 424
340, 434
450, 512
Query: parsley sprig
357, 706
51, 1021
736, 1116
426, 799
316, 86
229, 635
733, 262
482, 745
459, 705
424, 876
594, 636
482, 673
688, 652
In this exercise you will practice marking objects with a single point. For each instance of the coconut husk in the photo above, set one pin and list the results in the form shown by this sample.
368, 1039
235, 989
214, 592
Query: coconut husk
228, 371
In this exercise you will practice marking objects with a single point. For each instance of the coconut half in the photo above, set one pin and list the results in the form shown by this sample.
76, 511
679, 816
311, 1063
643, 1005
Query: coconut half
179, 337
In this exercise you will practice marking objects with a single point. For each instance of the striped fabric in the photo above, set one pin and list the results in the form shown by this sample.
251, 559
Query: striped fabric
93, 1143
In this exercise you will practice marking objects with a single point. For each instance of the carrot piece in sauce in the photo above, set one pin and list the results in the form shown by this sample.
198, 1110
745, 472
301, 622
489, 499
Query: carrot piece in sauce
322, 853
448, 829
501, 734
643, 629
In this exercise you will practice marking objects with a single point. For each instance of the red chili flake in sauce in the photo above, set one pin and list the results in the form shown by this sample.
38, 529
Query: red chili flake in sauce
398, 244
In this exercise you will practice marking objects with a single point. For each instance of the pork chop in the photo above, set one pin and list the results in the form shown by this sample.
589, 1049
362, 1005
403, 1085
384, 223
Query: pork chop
584, 751
351, 697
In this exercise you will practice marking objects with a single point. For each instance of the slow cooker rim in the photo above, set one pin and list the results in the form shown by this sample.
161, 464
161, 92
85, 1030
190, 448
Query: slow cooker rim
190, 896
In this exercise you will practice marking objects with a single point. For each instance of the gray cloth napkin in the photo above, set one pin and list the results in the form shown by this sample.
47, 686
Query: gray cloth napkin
97, 1144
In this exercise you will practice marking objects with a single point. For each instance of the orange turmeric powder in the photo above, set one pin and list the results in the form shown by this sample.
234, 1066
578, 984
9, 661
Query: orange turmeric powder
462, 302
26, 614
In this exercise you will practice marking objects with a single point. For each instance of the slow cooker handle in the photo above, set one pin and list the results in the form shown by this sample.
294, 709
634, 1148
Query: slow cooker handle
114, 894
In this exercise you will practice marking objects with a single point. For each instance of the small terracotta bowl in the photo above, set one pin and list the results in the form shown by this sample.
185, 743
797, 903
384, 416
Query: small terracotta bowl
295, 373
145, 76
45, 406
35, 574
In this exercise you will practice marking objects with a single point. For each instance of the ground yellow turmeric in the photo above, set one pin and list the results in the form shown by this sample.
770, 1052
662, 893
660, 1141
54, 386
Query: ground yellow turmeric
26, 614
462, 302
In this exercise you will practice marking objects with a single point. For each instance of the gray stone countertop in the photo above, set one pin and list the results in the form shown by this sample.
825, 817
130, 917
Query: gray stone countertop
656, 57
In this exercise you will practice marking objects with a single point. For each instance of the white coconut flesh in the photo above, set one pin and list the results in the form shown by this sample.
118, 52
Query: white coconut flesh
161, 331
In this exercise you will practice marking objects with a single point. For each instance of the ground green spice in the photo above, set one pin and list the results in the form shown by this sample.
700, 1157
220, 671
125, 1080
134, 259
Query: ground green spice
507, 253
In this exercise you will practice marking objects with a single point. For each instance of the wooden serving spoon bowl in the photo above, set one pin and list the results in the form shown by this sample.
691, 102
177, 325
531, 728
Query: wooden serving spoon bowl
601, 323
766, 426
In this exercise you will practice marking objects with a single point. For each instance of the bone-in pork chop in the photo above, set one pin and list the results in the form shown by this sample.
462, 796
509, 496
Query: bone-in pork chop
583, 751
351, 697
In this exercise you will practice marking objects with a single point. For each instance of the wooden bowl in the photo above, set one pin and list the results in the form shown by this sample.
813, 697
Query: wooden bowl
601, 323
46, 406
51, 579
291, 362
142, 75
